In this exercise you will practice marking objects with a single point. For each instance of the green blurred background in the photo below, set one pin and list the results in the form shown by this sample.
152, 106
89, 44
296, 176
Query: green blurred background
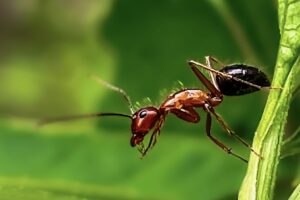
49, 49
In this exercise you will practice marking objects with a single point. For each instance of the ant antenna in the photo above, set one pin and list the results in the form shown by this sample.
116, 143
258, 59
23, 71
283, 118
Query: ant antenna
116, 89
75, 117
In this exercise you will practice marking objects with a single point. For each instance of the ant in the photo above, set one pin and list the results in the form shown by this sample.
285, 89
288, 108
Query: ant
230, 80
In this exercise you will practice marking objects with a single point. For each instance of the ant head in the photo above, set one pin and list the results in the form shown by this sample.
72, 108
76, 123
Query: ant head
142, 122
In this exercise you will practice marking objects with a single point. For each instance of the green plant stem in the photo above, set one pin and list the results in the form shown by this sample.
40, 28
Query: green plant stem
261, 173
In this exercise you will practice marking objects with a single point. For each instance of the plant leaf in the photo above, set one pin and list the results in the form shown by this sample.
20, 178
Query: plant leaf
291, 145
296, 194
261, 174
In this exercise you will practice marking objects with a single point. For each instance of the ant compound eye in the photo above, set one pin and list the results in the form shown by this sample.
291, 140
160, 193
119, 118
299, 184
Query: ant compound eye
143, 114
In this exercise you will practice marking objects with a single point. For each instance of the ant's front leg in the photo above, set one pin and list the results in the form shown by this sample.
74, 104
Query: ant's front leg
141, 148
187, 114
153, 138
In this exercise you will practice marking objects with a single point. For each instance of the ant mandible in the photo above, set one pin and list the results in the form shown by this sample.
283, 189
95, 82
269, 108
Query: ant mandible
230, 80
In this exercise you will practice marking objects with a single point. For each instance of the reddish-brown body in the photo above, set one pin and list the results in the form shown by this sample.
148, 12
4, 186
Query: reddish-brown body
183, 104
189, 98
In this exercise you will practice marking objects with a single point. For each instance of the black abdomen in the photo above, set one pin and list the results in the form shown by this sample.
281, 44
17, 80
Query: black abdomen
250, 74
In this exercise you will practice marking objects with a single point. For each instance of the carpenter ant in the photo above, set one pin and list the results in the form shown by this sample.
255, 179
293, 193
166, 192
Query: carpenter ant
231, 80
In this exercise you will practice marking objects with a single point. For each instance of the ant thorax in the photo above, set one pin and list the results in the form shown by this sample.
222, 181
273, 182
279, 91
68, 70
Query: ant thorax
185, 98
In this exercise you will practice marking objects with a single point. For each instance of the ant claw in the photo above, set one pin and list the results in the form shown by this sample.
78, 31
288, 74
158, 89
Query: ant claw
275, 88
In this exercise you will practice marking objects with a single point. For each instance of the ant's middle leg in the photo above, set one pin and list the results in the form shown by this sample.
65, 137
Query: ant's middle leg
217, 142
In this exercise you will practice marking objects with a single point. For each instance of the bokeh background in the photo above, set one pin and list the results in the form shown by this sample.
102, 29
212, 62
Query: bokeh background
50, 48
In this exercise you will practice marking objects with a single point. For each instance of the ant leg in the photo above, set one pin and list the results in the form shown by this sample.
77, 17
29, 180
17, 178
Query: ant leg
231, 132
217, 142
153, 138
187, 114
228, 76
209, 68
152, 142
210, 58
210, 86
141, 147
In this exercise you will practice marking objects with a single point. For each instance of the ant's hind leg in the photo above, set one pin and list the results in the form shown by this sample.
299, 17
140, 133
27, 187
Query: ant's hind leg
210, 59
207, 83
231, 132
212, 71
217, 142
